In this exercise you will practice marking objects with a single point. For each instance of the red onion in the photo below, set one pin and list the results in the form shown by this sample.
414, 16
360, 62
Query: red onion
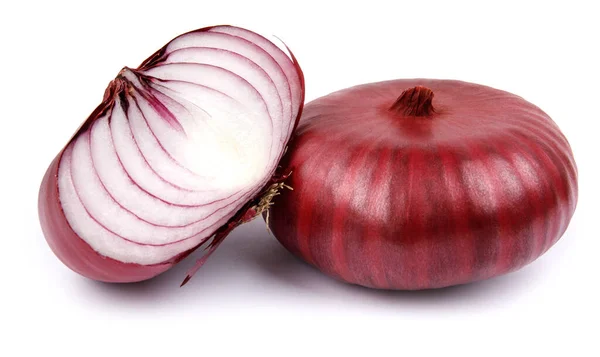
415, 184
181, 149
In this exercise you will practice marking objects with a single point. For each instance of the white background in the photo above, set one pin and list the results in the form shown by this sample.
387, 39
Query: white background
252, 297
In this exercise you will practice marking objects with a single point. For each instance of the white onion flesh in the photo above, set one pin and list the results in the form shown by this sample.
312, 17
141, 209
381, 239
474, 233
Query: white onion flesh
188, 140
295, 86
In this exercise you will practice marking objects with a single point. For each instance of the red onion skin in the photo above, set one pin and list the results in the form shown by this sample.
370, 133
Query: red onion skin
379, 198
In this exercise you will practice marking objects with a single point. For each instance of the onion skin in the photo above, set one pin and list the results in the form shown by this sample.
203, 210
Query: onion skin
476, 184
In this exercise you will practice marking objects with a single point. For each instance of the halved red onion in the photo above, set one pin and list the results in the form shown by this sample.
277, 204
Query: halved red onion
181, 149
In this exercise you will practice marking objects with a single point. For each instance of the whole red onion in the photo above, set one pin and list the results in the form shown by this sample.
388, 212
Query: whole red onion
415, 184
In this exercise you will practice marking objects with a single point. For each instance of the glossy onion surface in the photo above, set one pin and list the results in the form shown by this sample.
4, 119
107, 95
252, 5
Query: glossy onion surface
449, 183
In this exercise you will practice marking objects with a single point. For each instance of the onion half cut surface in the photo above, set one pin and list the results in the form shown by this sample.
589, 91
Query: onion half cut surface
182, 149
